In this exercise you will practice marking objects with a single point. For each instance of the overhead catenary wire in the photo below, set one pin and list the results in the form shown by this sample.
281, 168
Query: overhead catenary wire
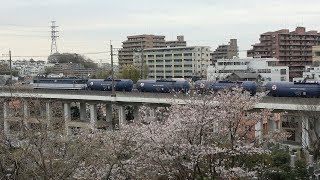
100, 52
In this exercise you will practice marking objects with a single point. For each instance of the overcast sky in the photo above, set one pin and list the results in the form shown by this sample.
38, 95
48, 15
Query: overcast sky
87, 26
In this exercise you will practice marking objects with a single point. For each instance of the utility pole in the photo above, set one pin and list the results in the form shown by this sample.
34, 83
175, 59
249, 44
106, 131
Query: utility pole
201, 62
142, 68
113, 94
10, 61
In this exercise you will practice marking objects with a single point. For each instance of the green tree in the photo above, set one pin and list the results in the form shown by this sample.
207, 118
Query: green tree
48, 70
279, 166
5, 70
101, 74
130, 72
145, 72
72, 58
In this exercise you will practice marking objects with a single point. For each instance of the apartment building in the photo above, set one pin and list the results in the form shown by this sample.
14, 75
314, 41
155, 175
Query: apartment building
175, 62
137, 43
266, 67
180, 42
293, 49
228, 51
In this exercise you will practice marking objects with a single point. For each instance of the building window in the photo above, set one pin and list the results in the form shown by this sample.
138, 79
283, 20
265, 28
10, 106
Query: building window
283, 79
283, 71
264, 70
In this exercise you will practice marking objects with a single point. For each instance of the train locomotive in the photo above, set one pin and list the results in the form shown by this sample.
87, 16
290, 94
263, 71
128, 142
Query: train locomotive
163, 86
60, 83
293, 89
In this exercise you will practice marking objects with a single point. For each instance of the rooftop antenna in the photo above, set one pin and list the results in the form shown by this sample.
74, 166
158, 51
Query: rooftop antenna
54, 37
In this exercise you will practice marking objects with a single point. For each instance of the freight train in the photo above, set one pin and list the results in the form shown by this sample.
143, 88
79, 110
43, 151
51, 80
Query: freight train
277, 89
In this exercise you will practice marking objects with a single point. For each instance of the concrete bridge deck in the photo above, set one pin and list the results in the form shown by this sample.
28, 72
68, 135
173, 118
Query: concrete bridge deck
276, 103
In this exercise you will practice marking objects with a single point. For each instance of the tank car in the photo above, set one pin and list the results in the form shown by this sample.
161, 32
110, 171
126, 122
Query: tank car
293, 89
106, 84
60, 83
163, 86
250, 86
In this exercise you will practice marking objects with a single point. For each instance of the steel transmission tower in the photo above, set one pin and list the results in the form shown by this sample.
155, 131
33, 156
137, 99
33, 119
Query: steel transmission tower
54, 36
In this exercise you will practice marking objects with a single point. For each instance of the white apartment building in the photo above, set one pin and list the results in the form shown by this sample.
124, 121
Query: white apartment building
266, 67
175, 62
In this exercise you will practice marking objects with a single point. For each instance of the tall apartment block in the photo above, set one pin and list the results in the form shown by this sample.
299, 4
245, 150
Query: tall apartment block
226, 51
180, 42
293, 49
175, 62
137, 43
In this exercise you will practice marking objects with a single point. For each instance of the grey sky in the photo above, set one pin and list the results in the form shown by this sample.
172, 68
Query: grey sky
89, 25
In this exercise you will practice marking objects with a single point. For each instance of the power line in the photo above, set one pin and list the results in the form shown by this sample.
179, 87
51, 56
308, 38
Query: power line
22, 25
22, 35
85, 53
102, 52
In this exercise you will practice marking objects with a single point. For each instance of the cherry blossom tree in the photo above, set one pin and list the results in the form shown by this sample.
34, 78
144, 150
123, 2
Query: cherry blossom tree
208, 137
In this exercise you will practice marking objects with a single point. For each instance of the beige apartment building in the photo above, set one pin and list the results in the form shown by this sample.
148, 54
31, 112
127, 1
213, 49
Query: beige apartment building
228, 51
138, 43
175, 62
180, 42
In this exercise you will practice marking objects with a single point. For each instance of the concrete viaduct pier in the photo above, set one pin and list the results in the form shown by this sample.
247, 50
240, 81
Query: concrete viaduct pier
95, 110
